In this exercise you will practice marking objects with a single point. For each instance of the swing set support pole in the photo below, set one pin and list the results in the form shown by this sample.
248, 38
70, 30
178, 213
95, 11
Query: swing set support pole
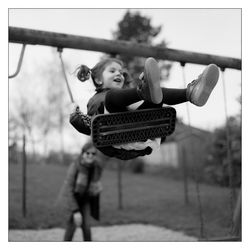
37, 37
24, 169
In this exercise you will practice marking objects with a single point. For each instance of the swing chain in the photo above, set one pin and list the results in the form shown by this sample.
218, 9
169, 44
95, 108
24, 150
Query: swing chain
60, 50
229, 158
195, 173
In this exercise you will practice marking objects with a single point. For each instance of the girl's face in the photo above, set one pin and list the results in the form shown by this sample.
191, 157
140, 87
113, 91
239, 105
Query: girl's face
112, 76
88, 156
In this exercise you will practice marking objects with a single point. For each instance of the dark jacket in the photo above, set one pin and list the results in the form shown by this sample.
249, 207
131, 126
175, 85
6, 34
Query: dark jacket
82, 123
77, 188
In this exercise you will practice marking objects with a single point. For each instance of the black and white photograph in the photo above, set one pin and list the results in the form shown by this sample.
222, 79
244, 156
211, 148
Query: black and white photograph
124, 125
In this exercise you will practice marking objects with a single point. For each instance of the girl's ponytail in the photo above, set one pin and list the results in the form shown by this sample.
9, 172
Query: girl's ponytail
83, 73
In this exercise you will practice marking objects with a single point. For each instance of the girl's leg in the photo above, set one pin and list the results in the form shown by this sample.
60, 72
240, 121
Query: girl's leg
117, 100
70, 229
170, 97
174, 96
86, 222
197, 92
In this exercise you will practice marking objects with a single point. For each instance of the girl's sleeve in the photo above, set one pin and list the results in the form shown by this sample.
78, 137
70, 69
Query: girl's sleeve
81, 122
96, 104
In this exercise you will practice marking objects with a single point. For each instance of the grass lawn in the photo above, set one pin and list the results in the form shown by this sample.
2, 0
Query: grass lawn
146, 198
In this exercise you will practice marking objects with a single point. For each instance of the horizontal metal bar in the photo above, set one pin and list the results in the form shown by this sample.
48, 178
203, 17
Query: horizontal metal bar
29, 36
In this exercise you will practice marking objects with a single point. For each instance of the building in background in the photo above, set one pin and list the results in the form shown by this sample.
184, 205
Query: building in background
187, 147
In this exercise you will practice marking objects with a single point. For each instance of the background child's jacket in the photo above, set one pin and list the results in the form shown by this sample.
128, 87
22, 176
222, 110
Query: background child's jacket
82, 185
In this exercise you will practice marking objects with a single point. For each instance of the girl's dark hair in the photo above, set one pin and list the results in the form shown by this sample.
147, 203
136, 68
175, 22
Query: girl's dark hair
84, 72
86, 146
89, 144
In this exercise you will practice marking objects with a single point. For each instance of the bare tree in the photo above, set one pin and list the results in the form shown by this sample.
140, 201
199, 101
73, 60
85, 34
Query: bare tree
21, 115
54, 103
37, 103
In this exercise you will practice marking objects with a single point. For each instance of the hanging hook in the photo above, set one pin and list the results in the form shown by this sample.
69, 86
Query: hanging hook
182, 63
222, 69
19, 62
60, 50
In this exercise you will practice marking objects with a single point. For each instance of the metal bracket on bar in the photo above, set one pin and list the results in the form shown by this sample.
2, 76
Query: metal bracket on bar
182, 63
19, 62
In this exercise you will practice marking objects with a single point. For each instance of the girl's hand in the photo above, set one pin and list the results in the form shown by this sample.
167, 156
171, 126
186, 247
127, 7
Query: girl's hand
95, 188
141, 76
74, 107
77, 219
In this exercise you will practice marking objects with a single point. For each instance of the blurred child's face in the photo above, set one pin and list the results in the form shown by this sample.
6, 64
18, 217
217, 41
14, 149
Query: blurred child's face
112, 76
88, 156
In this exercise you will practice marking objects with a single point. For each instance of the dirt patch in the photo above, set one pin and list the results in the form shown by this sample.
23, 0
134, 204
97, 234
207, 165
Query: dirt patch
117, 233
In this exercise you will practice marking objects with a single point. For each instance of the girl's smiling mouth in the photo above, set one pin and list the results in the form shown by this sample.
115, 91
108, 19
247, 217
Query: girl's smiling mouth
117, 79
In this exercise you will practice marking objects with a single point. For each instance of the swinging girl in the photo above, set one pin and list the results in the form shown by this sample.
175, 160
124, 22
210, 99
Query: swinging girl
113, 95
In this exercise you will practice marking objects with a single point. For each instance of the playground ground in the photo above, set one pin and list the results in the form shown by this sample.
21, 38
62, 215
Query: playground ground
121, 233
146, 200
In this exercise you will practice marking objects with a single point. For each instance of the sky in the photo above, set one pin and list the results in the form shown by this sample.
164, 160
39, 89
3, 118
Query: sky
210, 31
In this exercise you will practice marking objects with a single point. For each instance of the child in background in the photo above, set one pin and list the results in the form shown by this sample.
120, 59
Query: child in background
113, 95
82, 189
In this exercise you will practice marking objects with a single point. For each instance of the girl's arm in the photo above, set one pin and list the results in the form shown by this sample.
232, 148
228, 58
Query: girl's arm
81, 122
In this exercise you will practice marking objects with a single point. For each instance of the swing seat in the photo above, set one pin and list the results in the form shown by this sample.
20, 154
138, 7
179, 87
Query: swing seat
132, 126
